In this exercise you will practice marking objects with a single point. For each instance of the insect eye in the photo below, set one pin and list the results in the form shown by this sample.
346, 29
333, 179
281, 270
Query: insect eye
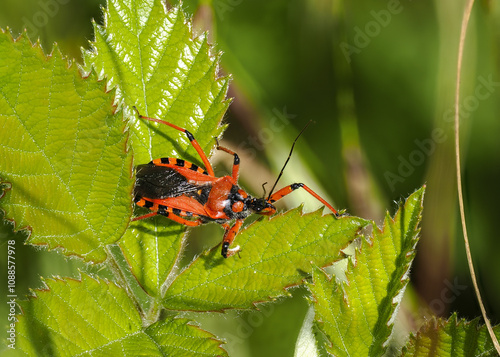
238, 206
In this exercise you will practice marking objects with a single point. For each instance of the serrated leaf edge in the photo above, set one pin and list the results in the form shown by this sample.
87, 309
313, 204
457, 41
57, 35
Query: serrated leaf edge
285, 290
71, 65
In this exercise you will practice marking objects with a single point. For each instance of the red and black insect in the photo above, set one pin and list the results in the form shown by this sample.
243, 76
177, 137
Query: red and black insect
191, 195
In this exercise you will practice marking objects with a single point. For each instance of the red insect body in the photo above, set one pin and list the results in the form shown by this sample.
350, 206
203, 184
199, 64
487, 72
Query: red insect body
191, 195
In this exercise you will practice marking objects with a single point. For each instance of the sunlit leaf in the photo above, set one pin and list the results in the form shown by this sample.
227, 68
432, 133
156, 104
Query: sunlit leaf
95, 318
176, 337
63, 152
306, 342
453, 337
358, 316
157, 66
275, 254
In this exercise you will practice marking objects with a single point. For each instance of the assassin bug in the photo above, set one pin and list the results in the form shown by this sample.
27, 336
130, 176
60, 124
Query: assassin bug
191, 195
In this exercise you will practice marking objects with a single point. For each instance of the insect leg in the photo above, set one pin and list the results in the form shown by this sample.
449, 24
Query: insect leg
236, 161
145, 216
289, 189
181, 220
173, 217
190, 136
171, 213
229, 237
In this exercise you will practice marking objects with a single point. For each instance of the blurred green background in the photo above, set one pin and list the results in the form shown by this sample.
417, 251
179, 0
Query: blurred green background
377, 79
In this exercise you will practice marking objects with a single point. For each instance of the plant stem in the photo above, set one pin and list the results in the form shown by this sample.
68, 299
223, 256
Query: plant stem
465, 21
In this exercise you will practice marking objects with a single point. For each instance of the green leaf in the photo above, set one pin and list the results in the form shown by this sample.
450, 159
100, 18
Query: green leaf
72, 317
358, 316
63, 152
176, 337
157, 66
96, 318
276, 254
453, 337
151, 249
306, 342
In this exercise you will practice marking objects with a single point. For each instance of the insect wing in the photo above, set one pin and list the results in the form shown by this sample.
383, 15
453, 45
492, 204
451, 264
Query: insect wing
160, 182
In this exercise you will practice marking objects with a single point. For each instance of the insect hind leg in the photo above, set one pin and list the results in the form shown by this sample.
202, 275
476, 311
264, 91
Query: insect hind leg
190, 136
168, 212
152, 214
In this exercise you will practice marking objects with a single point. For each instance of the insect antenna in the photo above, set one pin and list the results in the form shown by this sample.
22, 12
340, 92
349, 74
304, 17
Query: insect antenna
264, 189
288, 159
